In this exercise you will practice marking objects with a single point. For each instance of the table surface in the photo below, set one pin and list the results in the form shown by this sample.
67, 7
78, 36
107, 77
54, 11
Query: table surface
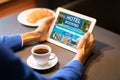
103, 64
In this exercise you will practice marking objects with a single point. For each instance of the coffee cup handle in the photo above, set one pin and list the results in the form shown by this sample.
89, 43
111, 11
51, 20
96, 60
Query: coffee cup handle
52, 56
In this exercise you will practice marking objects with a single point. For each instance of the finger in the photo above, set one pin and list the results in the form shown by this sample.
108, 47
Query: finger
91, 48
86, 36
91, 40
46, 23
48, 20
83, 40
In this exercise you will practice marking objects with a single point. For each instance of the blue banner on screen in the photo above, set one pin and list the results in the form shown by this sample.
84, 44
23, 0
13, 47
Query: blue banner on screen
72, 21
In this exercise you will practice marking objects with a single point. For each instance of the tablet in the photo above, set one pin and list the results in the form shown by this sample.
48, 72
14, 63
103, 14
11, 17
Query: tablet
68, 27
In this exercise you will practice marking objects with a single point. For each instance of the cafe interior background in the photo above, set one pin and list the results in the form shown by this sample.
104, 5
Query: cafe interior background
107, 12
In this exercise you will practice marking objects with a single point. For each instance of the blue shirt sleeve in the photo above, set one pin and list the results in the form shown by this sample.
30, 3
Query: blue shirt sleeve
72, 71
14, 42
18, 70
12, 68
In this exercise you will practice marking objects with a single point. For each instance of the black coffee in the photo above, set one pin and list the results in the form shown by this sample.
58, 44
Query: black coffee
41, 51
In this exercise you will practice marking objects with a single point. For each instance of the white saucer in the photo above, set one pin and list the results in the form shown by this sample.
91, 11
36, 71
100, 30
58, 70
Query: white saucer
22, 17
31, 62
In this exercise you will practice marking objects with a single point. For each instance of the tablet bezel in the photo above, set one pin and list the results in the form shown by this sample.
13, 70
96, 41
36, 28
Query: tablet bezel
59, 9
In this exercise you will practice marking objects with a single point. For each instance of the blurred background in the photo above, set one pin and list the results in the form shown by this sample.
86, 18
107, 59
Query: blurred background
107, 12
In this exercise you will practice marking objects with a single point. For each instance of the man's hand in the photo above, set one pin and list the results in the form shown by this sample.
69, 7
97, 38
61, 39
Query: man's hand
40, 33
43, 28
85, 47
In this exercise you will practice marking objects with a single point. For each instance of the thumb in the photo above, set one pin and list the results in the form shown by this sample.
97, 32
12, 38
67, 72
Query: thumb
48, 20
83, 40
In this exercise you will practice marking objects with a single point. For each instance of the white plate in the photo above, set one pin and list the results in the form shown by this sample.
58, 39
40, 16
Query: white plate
31, 62
22, 17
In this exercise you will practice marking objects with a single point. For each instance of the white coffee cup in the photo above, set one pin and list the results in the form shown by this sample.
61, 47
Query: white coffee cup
42, 54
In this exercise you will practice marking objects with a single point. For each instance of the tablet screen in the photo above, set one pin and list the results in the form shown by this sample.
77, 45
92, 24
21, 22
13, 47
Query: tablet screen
68, 29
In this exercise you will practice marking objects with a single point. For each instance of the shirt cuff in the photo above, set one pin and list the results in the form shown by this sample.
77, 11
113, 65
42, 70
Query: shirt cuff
21, 40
